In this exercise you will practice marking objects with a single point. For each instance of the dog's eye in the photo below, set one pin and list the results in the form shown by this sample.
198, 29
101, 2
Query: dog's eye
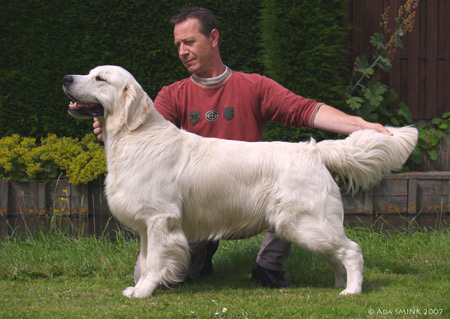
99, 78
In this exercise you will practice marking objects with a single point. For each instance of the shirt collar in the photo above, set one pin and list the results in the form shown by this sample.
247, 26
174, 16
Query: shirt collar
210, 83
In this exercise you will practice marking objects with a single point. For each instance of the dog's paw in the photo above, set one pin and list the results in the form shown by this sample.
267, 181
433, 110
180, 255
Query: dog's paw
350, 291
133, 292
129, 292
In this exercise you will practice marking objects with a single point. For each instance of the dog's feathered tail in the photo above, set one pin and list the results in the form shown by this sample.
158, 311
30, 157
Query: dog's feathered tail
366, 155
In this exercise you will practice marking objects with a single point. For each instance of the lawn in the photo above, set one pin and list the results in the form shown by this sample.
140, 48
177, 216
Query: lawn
58, 276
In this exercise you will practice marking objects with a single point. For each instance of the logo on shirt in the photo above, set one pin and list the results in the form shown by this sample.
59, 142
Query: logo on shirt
211, 116
194, 117
228, 113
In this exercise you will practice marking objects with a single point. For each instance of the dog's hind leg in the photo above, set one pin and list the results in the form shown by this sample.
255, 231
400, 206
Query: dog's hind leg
347, 264
164, 257
343, 255
323, 233
351, 257
340, 274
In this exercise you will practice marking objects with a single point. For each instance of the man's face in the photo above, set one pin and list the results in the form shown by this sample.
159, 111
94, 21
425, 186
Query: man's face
194, 48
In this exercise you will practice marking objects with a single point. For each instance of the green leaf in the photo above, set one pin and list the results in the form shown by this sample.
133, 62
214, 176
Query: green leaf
384, 64
377, 40
399, 43
434, 136
405, 112
354, 102
433, 154
362, 66
417, 156
374, 93
423, 133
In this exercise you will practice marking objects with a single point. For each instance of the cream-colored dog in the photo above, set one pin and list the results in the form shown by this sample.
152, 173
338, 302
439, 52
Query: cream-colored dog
172, 186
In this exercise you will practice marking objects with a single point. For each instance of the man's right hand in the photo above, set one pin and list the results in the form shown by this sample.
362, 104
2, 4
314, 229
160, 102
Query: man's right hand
98, 130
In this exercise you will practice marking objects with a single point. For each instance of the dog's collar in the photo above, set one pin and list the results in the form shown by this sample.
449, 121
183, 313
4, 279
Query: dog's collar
211, 83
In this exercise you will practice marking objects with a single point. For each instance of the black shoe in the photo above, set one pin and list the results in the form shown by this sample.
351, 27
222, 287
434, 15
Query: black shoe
269, 278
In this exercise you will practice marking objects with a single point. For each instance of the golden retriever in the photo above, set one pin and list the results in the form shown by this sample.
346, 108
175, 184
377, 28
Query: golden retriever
172, 186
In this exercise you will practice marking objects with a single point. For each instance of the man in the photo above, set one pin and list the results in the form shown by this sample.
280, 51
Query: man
218, 102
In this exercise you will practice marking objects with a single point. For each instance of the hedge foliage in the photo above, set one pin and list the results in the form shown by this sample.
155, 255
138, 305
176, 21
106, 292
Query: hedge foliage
42, 40
304, 51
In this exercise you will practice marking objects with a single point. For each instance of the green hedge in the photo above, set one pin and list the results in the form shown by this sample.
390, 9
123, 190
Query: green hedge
304, 51
295, 42
42, 40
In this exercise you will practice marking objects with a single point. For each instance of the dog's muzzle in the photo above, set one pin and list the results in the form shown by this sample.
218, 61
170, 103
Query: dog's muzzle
80, 109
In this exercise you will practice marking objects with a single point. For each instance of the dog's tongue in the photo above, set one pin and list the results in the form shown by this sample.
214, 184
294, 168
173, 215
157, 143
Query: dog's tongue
75, 105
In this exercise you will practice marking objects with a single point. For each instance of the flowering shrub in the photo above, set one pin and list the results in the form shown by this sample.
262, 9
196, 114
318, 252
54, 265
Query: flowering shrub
22, 158
367, 96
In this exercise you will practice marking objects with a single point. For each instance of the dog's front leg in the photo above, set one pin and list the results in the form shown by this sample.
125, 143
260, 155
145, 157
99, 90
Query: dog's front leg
164, 256
141, 264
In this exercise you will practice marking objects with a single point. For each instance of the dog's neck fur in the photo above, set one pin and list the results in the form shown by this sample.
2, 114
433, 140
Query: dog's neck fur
117, 135
115, 128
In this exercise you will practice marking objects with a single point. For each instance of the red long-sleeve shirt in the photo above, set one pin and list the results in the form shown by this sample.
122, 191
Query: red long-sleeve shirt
234, 106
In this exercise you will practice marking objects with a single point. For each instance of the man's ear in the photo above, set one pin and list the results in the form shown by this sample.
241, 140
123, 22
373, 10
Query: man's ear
137, 106
214, 35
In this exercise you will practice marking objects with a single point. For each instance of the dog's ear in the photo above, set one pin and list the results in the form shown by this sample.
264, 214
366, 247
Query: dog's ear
137, 106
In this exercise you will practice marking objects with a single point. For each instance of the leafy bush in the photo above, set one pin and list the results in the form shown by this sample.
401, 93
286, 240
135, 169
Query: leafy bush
429, 138
366, 95
369, 98
15, 157
22, 159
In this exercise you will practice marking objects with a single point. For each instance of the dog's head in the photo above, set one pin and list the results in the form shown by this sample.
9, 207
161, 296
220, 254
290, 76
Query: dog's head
108, 91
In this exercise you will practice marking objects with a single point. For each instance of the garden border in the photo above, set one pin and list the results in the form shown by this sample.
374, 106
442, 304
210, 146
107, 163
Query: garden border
422, 197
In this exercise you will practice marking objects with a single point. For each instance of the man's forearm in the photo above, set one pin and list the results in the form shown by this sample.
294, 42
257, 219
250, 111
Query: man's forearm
331, 119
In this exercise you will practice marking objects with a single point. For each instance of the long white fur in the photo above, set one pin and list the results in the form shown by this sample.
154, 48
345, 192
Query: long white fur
173, 186
366, 156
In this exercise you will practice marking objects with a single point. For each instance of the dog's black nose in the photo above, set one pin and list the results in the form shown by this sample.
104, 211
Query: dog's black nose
68, 79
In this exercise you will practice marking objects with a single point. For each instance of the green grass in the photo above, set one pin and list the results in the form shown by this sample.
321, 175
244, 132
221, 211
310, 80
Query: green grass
58, 276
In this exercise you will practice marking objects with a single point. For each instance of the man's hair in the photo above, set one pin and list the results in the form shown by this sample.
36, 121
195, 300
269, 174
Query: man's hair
207, 19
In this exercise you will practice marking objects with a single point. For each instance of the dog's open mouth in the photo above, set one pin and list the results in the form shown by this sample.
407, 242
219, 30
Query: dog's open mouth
85, 110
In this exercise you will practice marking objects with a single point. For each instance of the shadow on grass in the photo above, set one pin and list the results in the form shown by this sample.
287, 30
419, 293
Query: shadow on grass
234, 261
